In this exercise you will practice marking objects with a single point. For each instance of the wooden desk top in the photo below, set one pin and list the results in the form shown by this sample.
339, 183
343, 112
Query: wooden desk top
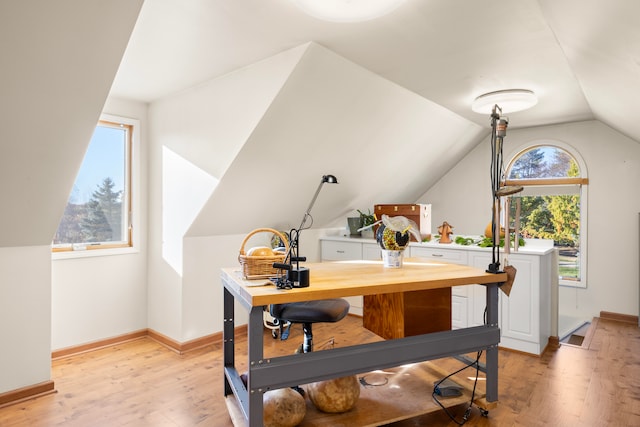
351, 278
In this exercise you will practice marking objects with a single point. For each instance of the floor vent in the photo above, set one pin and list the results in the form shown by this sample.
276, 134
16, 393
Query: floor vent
577, 336
575, 339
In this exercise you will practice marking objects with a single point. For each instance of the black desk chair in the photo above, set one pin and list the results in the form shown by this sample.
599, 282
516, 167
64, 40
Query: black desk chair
308, 313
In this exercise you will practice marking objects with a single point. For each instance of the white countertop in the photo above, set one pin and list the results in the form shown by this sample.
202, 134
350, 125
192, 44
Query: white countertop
532, 246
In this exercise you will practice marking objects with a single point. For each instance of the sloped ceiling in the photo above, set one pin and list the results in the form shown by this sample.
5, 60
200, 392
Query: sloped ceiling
580, 56
601, 41
59, 60
209, 123
384, 143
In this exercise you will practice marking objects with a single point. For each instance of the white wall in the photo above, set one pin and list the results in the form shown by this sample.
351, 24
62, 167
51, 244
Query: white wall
463, 198
97, 297
202, 287
384, 143
25, 316
203, 128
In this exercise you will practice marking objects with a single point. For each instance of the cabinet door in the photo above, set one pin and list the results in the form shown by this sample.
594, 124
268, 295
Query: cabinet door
520, 310
334, 250
459, 311
371, 251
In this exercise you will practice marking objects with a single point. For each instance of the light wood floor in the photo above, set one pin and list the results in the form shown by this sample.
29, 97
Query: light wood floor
142, 383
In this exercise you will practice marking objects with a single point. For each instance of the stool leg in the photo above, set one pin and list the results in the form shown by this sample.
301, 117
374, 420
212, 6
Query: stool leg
307, 346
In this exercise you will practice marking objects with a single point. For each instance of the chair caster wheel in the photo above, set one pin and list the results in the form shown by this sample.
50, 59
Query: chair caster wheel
299, 390
484, 412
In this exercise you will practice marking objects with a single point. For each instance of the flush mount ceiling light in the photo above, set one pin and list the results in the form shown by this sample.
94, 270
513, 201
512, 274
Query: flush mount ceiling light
347, 10
509, 101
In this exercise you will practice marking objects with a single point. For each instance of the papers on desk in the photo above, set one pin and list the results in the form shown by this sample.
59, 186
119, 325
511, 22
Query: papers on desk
254, 282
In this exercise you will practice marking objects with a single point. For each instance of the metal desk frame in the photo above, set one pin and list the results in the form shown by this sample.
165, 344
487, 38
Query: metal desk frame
285, 371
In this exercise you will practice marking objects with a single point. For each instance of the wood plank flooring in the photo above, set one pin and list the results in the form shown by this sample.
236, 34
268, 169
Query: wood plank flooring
142, 383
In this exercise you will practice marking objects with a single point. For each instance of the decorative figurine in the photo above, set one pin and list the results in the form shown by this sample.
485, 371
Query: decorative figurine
394, 232
393, 237
445, 231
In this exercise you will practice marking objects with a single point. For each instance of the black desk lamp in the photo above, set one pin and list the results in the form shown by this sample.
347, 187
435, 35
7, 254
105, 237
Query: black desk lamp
298, 277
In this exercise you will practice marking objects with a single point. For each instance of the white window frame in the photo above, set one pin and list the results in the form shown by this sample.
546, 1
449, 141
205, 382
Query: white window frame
134, 199
546, 188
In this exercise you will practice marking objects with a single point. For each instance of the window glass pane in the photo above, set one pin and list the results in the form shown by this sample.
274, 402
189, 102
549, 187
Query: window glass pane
544, 162
554, 217
97, 210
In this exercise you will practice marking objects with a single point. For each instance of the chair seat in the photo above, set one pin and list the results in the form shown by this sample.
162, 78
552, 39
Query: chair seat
328, 310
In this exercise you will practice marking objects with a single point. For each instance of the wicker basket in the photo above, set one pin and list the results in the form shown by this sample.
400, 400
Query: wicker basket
261, 267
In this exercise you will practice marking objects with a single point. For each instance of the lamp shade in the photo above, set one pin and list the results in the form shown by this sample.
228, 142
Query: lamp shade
331, 179
509, 101
347, 10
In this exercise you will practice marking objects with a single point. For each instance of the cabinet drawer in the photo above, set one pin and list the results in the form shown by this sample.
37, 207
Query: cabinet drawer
339, 251
447, 255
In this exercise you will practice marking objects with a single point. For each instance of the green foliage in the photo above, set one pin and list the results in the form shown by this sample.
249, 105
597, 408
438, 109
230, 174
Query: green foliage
551, 217
95, 225
105, 213
69, 230
487, 242
367, 218
465, 241
98, 220
565, 219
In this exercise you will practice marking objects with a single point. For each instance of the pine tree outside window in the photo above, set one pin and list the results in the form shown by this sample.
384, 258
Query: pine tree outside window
98, 212
553, 205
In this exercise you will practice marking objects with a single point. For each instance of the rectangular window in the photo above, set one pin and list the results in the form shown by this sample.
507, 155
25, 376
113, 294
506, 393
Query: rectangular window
98, 212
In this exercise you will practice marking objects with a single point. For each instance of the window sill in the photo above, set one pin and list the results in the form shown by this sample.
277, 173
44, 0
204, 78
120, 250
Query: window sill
569, 284
92, 253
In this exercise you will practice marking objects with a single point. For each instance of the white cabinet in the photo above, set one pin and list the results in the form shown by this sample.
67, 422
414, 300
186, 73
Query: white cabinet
344, 250
524, 316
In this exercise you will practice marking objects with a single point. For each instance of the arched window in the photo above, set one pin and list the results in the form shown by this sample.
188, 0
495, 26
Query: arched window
553, 204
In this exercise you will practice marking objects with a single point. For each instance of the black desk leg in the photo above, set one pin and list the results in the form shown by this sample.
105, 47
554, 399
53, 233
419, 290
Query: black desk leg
228, 337
256, 358
492, 351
